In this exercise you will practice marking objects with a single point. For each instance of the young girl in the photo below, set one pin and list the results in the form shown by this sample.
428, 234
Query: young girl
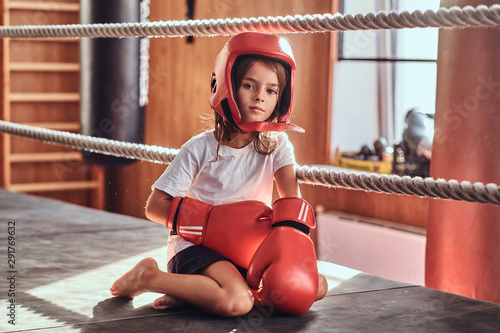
252, 92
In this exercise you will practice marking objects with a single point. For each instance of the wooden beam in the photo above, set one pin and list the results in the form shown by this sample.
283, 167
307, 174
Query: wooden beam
44, 67
49, 39
46, 157
44, 97
5, 170
60, 126
51, 6
98, 197
55, 186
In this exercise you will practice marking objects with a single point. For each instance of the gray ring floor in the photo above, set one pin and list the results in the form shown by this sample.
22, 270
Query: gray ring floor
67, 257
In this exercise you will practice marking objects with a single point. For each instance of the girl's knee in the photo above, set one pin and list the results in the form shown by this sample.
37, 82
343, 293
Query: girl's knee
322, 287
236, 304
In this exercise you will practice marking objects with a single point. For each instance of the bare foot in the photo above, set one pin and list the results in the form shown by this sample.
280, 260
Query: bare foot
135, 281
168, 302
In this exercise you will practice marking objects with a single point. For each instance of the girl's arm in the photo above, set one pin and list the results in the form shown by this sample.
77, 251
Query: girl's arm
286, 182
157, 206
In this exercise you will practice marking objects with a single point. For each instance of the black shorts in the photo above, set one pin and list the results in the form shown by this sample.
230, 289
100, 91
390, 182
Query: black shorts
195, 258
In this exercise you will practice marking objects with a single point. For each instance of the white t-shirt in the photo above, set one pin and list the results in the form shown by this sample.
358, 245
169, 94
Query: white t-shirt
235, 175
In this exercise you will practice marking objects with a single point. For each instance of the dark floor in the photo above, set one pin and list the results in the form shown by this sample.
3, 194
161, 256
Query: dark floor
67, 257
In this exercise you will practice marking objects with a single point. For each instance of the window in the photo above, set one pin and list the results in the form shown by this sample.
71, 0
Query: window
382, 74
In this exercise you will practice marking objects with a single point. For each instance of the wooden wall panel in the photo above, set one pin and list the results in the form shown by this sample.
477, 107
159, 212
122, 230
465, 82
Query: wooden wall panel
24, 145
179, 90
44, 82
43, 17
44, 112
53, 50
81, 198
54, 171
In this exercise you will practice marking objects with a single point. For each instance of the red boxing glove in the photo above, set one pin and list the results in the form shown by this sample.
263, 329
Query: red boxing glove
234, 230
284, 266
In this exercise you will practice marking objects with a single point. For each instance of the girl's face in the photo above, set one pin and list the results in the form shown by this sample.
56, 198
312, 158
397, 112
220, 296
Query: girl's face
258, 94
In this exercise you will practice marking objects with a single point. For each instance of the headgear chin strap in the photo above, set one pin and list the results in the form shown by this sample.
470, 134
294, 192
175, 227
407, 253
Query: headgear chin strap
223, 90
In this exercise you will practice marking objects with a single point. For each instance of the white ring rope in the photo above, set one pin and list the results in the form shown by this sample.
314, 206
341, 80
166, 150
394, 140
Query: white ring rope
428, 187
91, 144
480, 16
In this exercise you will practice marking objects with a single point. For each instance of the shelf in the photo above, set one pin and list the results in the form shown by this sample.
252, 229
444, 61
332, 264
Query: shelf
51, 6
44, 97
44, 67
55, 186
42, 59
45, 157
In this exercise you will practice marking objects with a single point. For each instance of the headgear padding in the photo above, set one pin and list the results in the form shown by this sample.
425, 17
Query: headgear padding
223, 81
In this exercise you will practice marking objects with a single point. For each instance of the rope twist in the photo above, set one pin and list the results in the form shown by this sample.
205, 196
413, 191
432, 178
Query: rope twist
480, 16
417, 186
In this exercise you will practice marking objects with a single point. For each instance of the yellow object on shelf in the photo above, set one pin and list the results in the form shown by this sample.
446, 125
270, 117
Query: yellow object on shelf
384, 166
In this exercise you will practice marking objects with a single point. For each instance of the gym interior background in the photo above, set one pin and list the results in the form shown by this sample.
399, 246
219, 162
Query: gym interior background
42, 88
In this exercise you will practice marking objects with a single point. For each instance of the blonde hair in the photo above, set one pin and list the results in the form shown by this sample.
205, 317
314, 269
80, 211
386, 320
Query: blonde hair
265, 142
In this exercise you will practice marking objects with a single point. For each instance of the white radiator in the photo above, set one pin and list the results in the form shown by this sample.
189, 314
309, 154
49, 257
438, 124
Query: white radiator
384, 249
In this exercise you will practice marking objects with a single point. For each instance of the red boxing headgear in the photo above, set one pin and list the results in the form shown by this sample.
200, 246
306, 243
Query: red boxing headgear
223, 79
